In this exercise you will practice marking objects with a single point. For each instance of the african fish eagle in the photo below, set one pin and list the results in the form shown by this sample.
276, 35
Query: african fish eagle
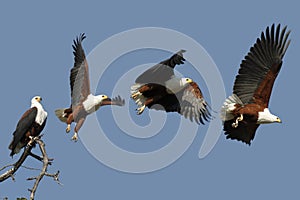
158, 88
247, 107
83, 102
31, 124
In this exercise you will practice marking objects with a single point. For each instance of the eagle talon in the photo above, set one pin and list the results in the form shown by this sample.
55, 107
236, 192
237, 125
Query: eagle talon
238, 119
31, 141
135, 95
68, 129
29, 144
140, 110
75, 137
235, 125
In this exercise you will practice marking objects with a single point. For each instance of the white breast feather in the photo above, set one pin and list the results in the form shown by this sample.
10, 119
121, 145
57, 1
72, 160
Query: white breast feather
266, 117
90, 103
41, 113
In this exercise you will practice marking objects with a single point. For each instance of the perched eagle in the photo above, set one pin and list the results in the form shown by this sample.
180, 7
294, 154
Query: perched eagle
83, 102
31, 123
247, 107
158, 88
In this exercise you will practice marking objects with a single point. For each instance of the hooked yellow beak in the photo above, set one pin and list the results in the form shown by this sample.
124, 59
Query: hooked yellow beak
278, 120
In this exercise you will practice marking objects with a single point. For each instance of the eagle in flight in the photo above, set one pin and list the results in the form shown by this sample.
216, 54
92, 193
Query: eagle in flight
83, 102
247, 107
158, 88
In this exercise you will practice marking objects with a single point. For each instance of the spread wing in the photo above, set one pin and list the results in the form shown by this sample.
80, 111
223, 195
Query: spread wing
115, 101
245, 131
24, 124
79, 77
259, 69
193, 105
189, 102
162, 71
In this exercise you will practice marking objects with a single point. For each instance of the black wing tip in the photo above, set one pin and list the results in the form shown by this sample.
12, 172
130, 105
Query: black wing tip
80, 37
78, 40
119, 101
277, 28
206, 114
230, 137
273, 32
175, 59
78, 51
277, 31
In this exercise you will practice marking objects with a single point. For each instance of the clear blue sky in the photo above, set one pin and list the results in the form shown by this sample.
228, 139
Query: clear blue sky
36, 57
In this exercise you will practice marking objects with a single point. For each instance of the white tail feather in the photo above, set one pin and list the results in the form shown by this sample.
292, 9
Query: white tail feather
229, 106
60, 114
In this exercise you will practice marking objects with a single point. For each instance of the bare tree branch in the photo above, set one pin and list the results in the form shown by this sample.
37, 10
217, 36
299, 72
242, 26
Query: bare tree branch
31, 168
6, 166
43, 172
10, 173
36, 156
46, 162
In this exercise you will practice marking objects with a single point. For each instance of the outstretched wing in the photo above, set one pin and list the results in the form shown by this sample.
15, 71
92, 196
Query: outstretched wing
245, 131
259, 69
24, 124
79, 77
163, 71
189, 102
193, 105
118, 101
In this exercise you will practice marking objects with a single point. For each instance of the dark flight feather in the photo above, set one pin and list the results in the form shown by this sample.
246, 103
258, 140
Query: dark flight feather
163, 71
79, 76
265, 56
23, 126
